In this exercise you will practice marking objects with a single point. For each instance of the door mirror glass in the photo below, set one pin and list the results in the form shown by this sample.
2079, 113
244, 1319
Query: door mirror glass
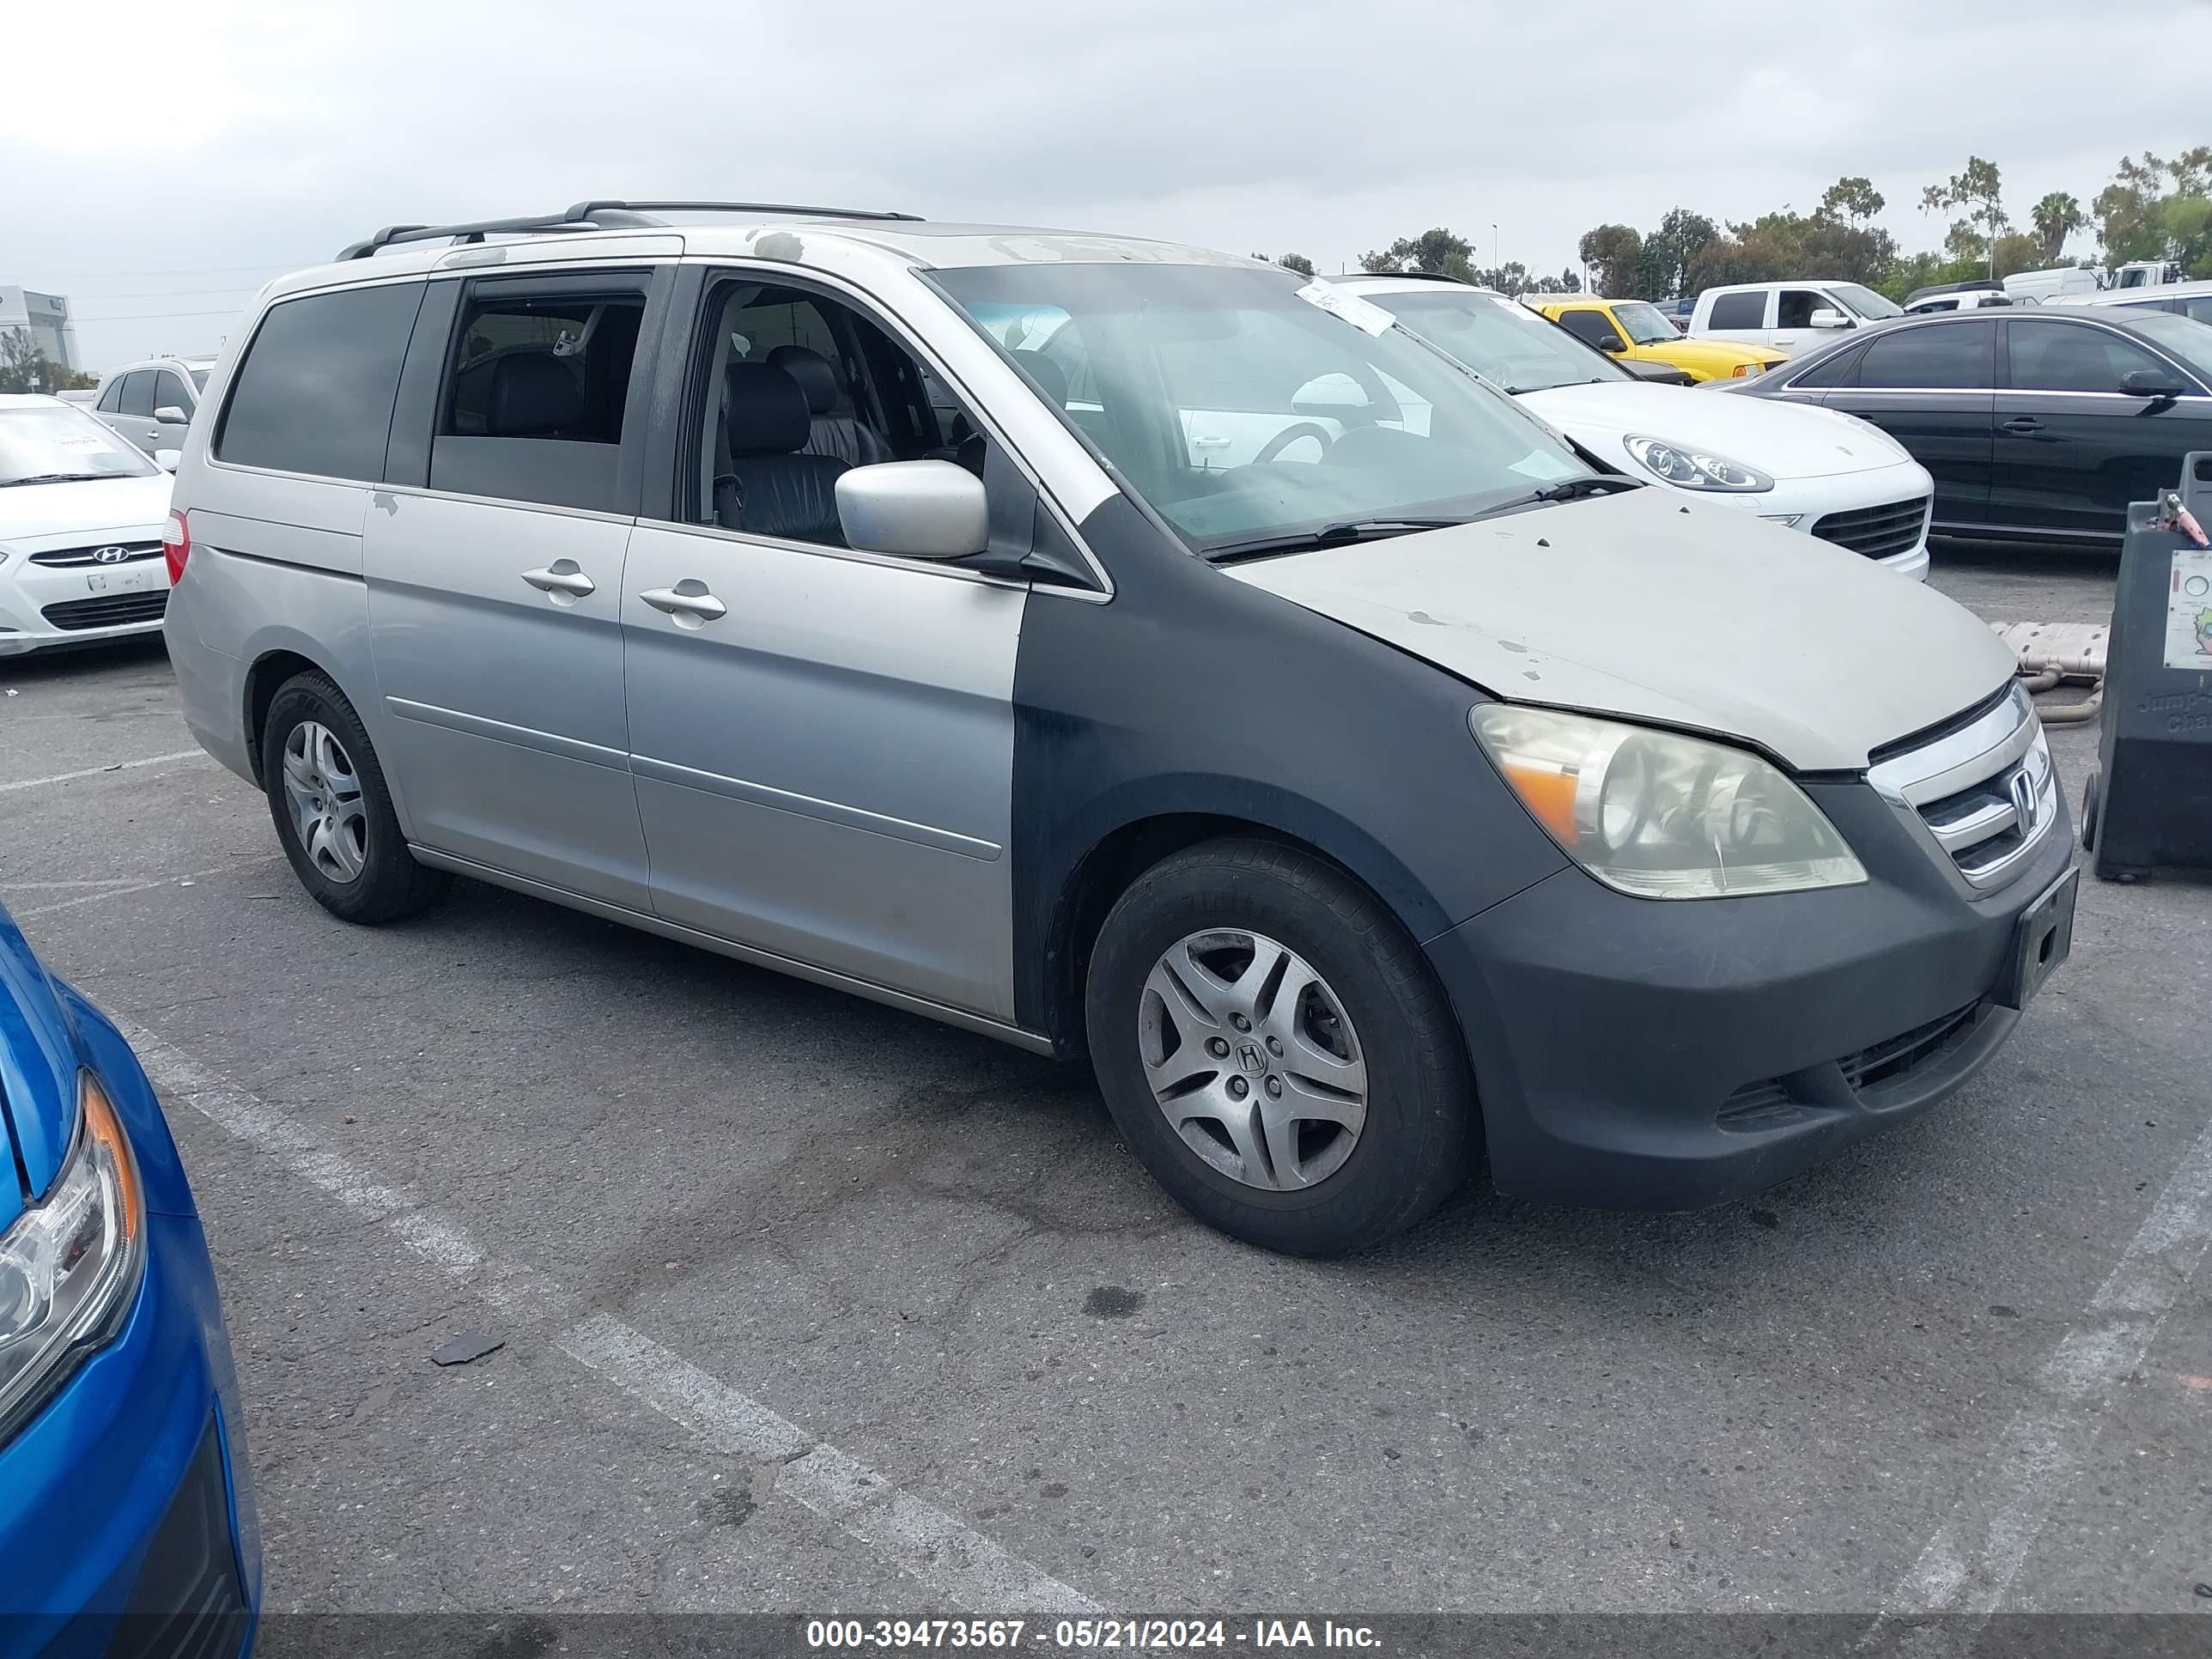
1610, 342
2151, 383
919, 510
1326, 392
167, 460
1829, 317
170, 414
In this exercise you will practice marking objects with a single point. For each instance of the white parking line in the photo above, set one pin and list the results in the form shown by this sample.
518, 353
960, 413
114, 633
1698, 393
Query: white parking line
1970, 1569
121, 889
98, 771
967, 1568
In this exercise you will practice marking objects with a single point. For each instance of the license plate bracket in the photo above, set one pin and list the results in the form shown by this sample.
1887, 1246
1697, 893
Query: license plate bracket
2042, 941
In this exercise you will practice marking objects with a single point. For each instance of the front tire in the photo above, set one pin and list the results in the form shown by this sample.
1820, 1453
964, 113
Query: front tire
1276, 1051
333, 813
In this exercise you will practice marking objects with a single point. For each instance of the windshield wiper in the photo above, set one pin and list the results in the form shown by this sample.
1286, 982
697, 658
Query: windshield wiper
59, 478
1329, 535
1597, 484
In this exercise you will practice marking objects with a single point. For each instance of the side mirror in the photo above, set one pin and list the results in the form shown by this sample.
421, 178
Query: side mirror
1327, 393
167, 460
919, 509
1828, 316
2151, 383
170, 414
1610, 342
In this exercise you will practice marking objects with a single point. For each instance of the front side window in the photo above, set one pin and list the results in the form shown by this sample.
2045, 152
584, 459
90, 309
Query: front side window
55, 443
169, 393
1644, 324
1738, 311
1588, 326
2198, 309
2179, 338
315, 391
1835, 369
1864, 301
1794, 307
1941, 357
1501, 339
1325, 429
2054, 356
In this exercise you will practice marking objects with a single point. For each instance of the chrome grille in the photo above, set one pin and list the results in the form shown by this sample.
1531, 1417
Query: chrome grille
74, 557
1879, 533
1982, 795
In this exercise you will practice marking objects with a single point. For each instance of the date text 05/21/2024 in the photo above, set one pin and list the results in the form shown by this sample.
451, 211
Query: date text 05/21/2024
1085, 1635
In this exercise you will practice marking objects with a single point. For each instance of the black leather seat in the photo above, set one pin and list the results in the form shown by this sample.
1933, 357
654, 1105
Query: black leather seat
533, 395
850, 441
766, 485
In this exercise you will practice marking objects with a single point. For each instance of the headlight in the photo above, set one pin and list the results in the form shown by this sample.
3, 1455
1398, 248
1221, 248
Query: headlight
1661, 815
69, 1264
1692, 469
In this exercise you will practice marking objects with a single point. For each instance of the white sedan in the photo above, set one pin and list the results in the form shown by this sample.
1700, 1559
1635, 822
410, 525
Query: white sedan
1817, 471
81, 517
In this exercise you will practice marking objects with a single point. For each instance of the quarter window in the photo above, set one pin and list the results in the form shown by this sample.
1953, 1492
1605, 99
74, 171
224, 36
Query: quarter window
1738, 311
111, 399
1943, 357
315, 391
2055, 357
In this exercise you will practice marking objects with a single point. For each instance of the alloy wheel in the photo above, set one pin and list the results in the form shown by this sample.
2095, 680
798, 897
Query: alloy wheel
324, 792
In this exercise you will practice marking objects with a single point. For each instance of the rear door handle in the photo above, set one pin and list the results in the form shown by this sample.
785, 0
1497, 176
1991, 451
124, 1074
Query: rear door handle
562, 580
2023, 424
688, 603
1209, 443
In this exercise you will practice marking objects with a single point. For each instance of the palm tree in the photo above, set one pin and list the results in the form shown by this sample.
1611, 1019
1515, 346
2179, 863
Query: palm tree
2056, 217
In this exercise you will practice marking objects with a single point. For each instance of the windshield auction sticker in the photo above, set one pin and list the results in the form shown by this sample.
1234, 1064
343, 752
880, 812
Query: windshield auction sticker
1360, 313
2189, 610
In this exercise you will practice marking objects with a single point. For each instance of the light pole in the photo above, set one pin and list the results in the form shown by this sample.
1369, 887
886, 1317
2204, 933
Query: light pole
1494, 246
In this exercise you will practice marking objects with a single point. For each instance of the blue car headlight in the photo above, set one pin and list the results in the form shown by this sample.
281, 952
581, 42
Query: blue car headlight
69, 1264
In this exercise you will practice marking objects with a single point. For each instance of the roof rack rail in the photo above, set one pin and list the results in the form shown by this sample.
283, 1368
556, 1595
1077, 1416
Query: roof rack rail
591, 216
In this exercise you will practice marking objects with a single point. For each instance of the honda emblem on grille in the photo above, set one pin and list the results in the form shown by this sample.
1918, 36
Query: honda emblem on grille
110, 555
2024, 802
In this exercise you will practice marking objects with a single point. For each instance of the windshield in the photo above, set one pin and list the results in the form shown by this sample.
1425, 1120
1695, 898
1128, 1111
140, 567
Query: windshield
51, 442
199, 378
2177, 337
1864, 301
1502, 339
1241, 412
1644, 325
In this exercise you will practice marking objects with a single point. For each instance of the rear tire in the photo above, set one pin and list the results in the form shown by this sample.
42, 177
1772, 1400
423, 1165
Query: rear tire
1276, 1050
333, 813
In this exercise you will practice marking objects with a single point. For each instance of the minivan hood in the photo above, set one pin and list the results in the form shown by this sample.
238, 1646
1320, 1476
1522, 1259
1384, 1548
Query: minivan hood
38, 1073
1683, 614
1783, 441
28, 512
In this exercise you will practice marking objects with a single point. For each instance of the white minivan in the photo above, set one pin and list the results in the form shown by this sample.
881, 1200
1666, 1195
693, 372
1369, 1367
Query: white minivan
1789, 316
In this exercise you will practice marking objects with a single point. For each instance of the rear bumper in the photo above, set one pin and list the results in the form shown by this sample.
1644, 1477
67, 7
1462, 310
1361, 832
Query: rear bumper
1650, 1055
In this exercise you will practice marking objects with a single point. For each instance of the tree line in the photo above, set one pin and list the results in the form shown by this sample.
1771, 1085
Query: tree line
2153, 209
24, 368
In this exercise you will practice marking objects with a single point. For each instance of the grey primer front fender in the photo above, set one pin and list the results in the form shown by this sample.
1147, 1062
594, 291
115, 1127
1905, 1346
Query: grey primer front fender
1195, 705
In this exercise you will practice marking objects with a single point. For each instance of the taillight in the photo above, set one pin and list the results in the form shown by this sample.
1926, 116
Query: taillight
176, 546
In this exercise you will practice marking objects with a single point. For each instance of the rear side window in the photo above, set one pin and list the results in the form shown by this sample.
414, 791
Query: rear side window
2200, 308
2072, 357
535, 394
138, 393
315, 391
1738, 311
1946, 357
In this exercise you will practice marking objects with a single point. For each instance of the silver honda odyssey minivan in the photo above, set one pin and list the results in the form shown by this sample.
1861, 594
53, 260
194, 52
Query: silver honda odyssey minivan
1117, 649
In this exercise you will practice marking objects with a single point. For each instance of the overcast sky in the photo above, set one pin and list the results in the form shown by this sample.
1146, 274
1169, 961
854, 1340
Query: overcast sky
167, 159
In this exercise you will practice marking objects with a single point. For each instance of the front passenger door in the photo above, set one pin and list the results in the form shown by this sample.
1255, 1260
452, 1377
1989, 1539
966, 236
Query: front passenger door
172, 410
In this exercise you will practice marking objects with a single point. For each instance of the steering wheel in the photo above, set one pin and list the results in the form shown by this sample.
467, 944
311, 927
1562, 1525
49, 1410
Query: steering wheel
1289, 435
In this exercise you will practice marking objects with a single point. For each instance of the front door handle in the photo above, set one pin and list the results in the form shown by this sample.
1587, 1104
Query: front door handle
2023, 425
688, 603
562, 580
1209, 443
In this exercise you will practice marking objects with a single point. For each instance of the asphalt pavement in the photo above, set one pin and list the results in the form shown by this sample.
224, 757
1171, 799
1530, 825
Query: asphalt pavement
805, 1304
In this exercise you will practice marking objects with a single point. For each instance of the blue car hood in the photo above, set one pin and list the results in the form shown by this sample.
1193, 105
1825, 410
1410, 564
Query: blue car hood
38, 1073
